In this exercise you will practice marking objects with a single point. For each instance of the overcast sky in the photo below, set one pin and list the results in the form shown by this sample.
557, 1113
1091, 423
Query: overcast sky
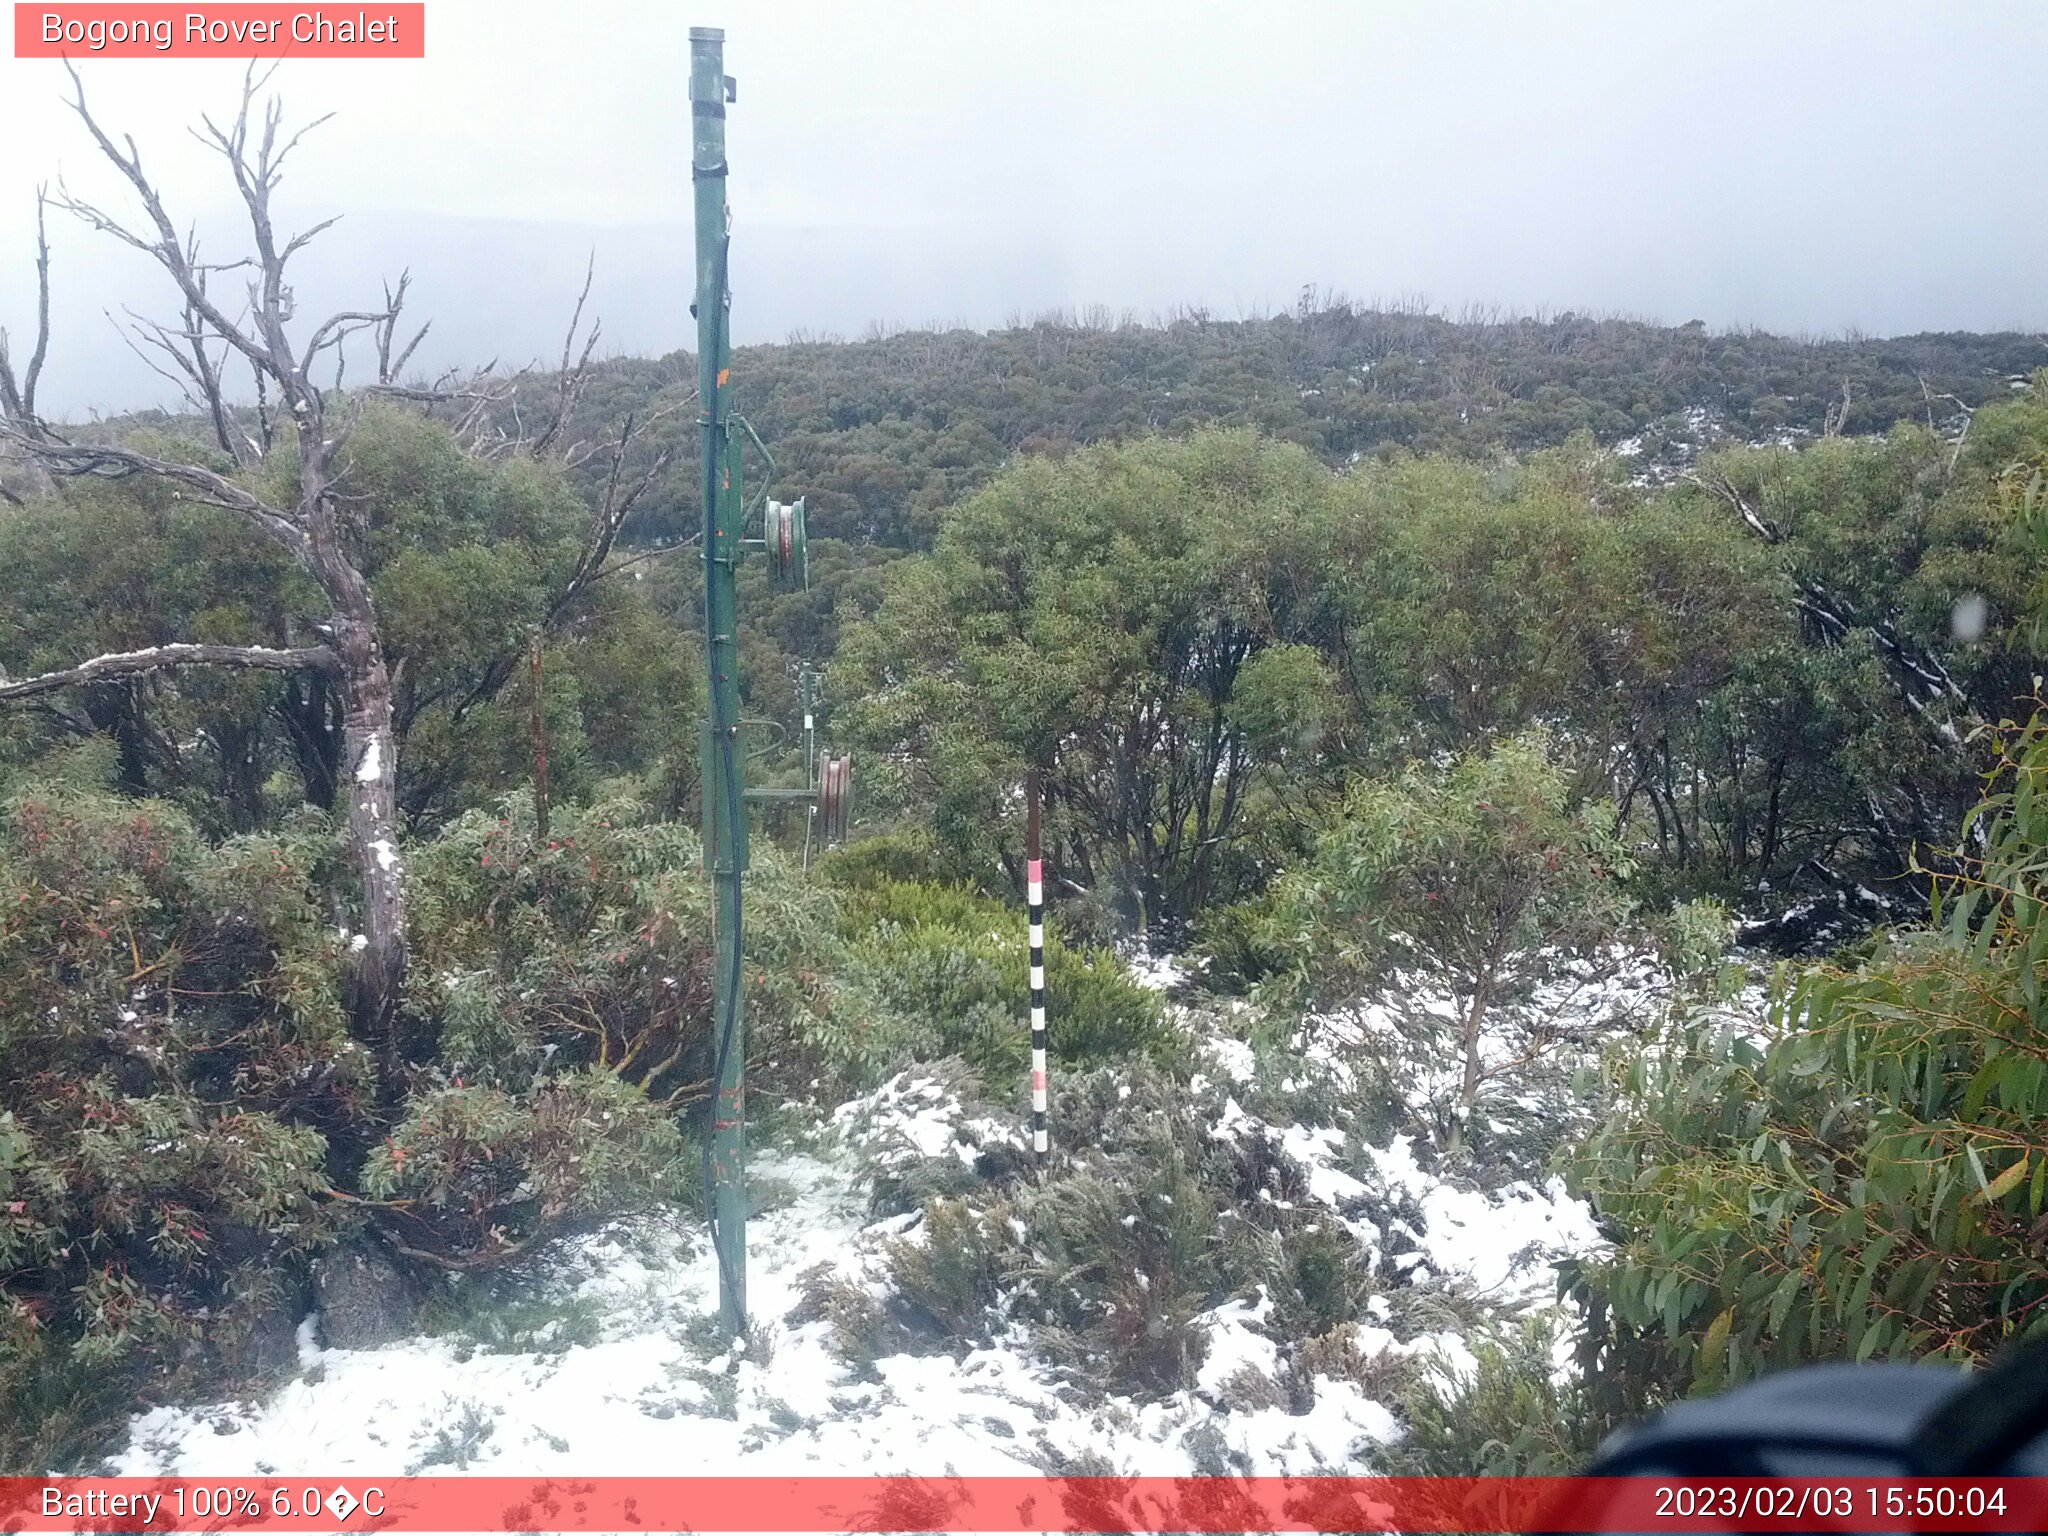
1803, 166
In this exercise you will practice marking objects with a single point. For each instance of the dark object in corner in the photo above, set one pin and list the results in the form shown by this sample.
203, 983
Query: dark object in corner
1823, 1421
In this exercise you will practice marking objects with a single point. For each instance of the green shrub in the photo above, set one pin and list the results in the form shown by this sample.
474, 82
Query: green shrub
1325, 1279
172, 1058
1122, 1262
462, 1428
950, 1271
863, 1330
955, 967
897, 857
185, 1120
1492, 877
1235, 942
1512, 1417
899, 1174
477, 1176
56, 1417
502, 1312
1144, 1221
592, 947
1870, 1177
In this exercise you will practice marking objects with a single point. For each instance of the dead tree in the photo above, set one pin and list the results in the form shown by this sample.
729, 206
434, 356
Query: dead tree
293, 414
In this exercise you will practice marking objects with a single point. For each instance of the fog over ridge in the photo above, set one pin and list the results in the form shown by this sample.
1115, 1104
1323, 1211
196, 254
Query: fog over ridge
1804, 169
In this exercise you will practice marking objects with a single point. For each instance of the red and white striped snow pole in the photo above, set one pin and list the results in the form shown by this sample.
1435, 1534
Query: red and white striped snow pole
1034, 895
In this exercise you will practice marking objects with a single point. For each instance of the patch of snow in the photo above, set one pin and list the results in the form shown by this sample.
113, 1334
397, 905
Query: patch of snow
1317, 1151
1500, 1245
1234, 1344
912, 1117
649, 1394
1159, 973
1233, 1056
653, 1389
1234, 1123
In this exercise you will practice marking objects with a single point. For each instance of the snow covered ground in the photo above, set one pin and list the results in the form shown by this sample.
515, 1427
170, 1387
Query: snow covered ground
646, 1387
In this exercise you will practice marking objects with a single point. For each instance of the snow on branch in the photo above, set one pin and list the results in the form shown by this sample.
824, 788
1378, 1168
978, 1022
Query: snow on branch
158, 657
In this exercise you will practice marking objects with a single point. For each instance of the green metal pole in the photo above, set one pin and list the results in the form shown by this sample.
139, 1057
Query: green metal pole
725, 821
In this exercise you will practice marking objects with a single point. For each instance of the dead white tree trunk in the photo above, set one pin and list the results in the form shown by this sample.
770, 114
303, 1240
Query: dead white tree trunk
197, 352
294, 414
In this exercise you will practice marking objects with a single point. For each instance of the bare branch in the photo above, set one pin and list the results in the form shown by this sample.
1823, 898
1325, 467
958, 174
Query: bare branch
305, 238
570, 382
35, 361
18, 400
616, 506
1837, 415
644, 556
388, 367
266, 428
159, 657
207, 370
106, 462
1723, 487
1969, 415
198, 376
167, 249
336, 329
473, 392
139, 331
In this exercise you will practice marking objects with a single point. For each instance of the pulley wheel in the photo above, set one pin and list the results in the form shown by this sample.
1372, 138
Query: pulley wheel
782, 531
835, 797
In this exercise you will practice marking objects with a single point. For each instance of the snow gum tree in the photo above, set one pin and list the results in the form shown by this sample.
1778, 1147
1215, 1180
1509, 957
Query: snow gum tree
283, 470
1108, 618
1866, 1176
312, 433
1488, 879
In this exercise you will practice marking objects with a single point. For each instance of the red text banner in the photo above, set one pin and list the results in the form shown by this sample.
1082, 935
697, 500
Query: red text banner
235, 31
1005, 1504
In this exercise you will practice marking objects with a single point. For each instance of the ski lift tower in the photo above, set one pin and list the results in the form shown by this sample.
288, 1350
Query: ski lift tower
828, 785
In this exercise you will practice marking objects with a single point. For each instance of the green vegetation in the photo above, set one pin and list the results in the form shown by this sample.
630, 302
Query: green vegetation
1350, 656
1488, 879
947, 964
888, 433
1868, 1181
1151, 1221
1512, 1418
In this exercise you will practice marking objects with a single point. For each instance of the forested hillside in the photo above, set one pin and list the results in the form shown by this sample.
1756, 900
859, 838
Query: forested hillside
885, 432
1474, 708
